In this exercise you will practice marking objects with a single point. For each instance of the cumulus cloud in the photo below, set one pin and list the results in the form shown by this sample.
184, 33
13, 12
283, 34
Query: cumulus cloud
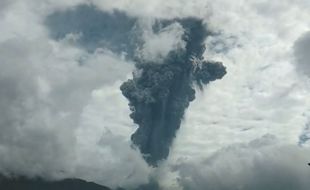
61, 106
158, 45
104, 139
261, 93
44, 95
156, 9
47, 87
260, 164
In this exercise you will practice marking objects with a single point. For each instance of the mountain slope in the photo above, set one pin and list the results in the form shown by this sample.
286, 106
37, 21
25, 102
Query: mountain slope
39, 184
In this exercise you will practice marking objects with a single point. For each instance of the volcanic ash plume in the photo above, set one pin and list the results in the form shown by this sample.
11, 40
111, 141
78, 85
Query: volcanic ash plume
159, 93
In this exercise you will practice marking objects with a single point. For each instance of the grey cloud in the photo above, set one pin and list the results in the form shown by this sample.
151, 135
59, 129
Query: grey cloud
302, 54
43, 95
46, 86
159, 96
4, 4
113, 29
25, 117
260, 164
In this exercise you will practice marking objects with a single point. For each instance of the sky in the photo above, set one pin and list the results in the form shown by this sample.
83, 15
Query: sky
63, 114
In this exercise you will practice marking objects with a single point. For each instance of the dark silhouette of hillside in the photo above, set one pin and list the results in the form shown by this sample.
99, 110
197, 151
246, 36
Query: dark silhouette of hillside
22, 183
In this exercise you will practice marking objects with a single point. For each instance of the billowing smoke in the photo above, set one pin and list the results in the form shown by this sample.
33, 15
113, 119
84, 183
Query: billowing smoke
62, 63
169, 61
159, 93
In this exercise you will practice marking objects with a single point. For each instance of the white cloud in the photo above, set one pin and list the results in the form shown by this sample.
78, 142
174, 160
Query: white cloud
261, 93
47, 92
157, 46
159, 9
104, 138
61, 106
260, 164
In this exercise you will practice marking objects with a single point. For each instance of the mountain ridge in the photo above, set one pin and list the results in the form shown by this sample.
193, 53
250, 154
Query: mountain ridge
23, 183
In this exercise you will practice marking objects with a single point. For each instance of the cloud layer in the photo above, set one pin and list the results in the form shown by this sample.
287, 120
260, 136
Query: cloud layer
62, 114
